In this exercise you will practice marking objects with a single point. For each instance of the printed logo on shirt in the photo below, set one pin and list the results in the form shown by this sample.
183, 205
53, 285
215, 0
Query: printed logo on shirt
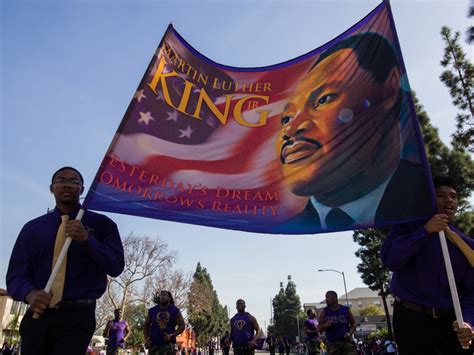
239, 324
338, 319
162, 318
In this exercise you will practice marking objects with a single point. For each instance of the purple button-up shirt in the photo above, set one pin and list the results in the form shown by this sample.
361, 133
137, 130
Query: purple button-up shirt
419, 273
88, 262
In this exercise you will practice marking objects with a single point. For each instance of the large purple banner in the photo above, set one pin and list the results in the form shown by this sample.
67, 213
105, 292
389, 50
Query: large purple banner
325, 142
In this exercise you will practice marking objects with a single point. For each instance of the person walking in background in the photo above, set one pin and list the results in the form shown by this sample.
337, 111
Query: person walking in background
271, 342
311, 330
211, 346
6, 350
163, 323
281, 346
339, 324
244, 330
117, 331
225, 343
287, 344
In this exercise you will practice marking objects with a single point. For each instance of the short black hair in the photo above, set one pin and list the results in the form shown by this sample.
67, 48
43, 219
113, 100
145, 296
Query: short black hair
374, 53
67, 168
332, 292
444, 180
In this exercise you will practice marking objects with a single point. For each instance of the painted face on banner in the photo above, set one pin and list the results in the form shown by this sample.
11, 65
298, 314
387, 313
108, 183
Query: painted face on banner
333, 125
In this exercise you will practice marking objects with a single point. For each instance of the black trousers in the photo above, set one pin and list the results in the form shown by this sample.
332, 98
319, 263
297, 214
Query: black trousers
58, 331
272, 350
420, 334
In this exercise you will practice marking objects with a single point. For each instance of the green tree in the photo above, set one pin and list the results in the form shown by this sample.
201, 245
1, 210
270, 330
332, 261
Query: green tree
287, 311
455, 162
135, 316
373, 272
458, 76
14, 328
379, 334
205, 314
470, 30
371, 310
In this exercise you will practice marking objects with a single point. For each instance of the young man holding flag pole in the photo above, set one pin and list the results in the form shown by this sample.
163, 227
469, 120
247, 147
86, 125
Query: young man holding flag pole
427, 305
91, 249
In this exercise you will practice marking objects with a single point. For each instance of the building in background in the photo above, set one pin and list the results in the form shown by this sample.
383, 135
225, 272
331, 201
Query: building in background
186, 339
11, 313
359, 298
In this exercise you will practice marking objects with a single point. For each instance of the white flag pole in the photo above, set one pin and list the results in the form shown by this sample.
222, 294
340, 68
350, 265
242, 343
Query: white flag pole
451, 280
59, 261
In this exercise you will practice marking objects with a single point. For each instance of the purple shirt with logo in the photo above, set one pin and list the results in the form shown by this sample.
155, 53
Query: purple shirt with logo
163, 320
340, 323
242, 329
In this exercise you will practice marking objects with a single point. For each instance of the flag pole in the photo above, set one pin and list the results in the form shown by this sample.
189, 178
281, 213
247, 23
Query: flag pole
59, 261
451, 280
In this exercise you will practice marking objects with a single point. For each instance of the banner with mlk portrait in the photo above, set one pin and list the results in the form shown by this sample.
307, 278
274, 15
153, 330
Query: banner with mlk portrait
324, 142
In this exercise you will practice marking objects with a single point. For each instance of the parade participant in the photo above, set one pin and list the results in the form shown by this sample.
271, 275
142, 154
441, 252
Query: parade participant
225, 343
244, 331
67, 314
211, 346
311, 329
423, 314
117, 331
271, 341
287, 343
163, 323
339, 324
281, 346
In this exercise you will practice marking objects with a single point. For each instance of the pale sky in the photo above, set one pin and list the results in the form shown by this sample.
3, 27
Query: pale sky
70, 69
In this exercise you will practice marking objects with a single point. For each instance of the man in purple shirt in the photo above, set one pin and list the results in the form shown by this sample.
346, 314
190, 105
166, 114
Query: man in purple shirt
117, 331
95, 252
163, 323
311, 329
339, 324
244, 331
423, 316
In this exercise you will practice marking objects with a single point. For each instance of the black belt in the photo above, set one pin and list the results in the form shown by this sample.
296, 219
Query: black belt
86, 303
433, 312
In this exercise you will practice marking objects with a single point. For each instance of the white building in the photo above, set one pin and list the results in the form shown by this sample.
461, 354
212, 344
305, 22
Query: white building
359, 297
11, 312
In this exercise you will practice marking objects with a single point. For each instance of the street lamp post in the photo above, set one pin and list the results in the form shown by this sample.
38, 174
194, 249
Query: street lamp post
343, 278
